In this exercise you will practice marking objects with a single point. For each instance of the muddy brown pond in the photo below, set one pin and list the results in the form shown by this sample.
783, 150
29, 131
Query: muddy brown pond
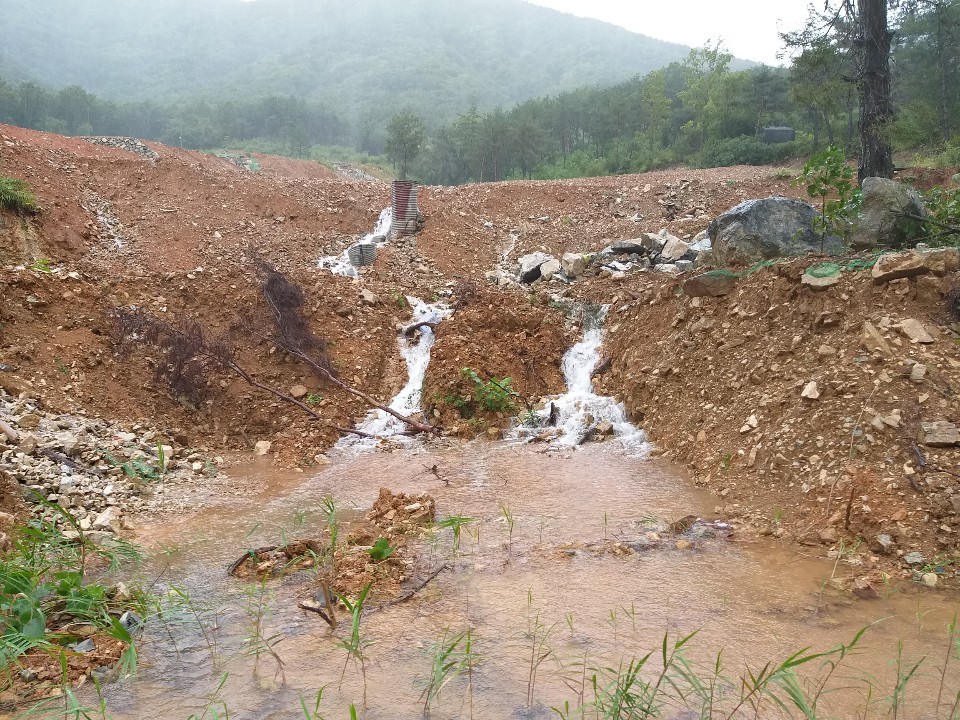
755, 600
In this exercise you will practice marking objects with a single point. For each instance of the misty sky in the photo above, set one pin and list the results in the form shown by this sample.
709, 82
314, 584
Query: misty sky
748, 27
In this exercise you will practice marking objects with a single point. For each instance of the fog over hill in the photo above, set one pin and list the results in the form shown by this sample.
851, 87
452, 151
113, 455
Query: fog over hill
434, 56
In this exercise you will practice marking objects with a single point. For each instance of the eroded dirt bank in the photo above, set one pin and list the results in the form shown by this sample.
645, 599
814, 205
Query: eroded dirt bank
716, 382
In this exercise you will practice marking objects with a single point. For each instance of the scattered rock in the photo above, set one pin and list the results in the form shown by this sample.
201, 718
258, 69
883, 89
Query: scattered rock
872, 340
29, 421
368, 298
636, 247
929, 579
131, 621
107, 519
550, 268
84, 646
674, 249
939, 433
530, 266
914, 330
573, 265
914, 558
262, 447
299, 391
916, 262
885, 544
828, 536
28, 445
918, 372
810, 391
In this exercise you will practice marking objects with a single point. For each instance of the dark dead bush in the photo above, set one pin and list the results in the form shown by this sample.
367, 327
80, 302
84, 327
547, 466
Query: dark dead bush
188, 355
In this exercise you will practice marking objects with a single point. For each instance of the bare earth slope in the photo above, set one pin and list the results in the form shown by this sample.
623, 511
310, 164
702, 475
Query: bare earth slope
175, 235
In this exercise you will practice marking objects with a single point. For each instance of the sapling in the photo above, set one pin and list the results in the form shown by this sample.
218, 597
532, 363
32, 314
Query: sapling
356, 644
508, 517
452, 656
258, 642
538, 635
455, 523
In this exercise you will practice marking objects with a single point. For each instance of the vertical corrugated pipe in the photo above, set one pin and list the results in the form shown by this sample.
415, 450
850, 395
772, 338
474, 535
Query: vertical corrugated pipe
405, 210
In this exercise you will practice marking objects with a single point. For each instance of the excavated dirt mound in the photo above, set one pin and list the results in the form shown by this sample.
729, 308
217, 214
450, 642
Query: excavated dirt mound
716, 382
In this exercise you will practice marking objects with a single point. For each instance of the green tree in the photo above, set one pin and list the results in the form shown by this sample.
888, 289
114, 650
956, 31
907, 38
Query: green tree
405, 138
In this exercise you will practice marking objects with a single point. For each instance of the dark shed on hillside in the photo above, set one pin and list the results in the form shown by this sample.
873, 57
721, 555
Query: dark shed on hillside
779, 134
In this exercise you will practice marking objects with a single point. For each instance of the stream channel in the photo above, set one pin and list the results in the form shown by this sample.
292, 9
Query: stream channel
591, 560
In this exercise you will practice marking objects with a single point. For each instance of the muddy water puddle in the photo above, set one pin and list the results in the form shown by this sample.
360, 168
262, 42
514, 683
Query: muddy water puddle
563, 570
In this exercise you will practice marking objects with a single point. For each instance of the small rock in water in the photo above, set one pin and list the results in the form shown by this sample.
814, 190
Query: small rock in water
929, 579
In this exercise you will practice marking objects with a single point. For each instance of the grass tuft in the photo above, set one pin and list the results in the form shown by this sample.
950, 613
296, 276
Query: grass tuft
15, 195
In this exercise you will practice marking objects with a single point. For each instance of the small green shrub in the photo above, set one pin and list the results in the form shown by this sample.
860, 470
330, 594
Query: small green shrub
15, 195
944, 207
826, 173
490, 395
381, 550
493, 395
43, 587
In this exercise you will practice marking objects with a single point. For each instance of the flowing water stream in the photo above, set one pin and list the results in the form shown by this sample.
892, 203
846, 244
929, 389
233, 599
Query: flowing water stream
341, 265
415, 351
580, 414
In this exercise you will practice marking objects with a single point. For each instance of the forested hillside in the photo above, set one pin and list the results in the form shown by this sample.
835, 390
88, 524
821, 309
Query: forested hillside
433, 56
701, 110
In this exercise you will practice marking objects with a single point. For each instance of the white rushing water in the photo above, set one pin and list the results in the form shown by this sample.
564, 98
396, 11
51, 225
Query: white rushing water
341, 265
408, 402
579, 411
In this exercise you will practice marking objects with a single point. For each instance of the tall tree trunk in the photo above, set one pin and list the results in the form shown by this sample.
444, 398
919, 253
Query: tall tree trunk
876, 106
942, 68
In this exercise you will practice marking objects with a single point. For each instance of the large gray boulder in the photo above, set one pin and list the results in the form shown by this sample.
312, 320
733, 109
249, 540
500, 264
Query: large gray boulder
882, 221
768, 228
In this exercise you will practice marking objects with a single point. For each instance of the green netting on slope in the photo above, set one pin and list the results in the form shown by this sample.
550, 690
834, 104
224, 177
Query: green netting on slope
829, 269
825, 269
749, 271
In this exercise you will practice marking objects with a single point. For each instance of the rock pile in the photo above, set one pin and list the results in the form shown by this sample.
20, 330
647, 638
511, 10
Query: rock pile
661, 252
125, 143
95, 470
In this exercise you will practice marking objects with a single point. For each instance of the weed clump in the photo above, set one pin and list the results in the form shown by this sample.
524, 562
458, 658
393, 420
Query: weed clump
483, 395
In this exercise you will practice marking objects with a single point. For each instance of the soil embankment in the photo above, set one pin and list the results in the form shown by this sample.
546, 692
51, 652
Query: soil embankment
717, 382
